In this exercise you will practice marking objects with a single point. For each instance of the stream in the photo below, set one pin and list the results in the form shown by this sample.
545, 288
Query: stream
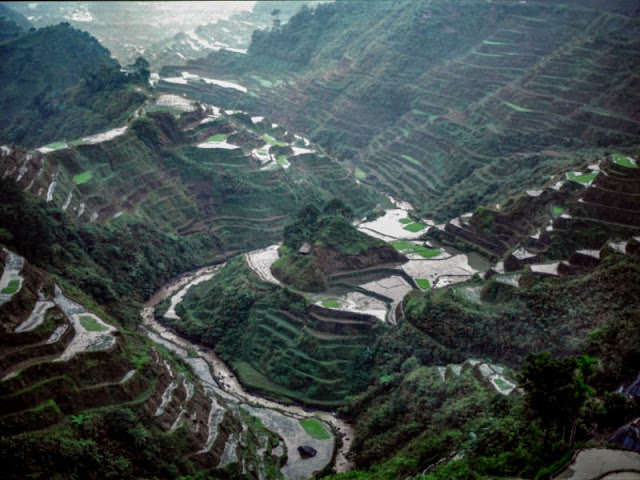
226, 380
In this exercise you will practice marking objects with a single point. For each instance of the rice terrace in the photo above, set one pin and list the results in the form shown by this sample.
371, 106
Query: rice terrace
320, 239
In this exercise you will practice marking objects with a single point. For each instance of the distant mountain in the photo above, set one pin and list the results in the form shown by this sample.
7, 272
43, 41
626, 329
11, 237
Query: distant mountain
12, 23
232, 34
59, 82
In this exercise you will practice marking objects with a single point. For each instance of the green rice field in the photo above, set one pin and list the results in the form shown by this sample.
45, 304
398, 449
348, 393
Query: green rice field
12, 288
83, 177
586, 178
91, 324
315, 429
406, 246
218, 137
415, 227
623, 160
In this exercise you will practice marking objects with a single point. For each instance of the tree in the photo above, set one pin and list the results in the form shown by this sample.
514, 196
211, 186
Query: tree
338, 207
556, 390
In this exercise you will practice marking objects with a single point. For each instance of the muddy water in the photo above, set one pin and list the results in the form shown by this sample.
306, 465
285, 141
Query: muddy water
227, 380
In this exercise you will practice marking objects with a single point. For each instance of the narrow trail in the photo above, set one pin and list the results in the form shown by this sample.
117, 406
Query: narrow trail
226, 379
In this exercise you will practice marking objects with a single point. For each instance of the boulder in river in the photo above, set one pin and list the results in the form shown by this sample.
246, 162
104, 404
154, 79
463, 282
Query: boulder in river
306, 451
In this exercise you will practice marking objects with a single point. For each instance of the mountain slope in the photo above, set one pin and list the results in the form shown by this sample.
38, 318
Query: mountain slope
424, 98
165, 173
12, 23
58, 83
120, 404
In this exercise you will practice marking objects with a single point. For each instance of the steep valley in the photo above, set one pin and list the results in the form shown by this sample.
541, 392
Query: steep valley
390, 240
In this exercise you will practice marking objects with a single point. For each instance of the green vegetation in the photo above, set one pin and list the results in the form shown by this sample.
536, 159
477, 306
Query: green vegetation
56, 145
406, 246
417, 419
170, 187
91, 324
96, 259
405, 220
272, 340
412, 160
419, 90
415, 227
282, 160
426, 116
272, 141
218, 137
331, 235
12, 287
47, 97
517, 108
314, 428
623, 160
331, 303
263, 82
133, 451
585, 178
502, 384
83, 177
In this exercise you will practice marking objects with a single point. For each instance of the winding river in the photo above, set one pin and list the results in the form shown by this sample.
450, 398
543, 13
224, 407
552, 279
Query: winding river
225, 378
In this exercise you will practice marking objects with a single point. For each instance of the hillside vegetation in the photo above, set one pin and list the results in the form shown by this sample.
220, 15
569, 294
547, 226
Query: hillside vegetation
60, 83
333, 244
495, 342
12, 23
446, 104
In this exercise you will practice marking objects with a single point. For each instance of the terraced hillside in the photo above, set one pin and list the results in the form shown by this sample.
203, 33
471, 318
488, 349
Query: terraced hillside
203, 174
288, 348
69, 376
566, 236
428, 268
473, 98
564, 279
